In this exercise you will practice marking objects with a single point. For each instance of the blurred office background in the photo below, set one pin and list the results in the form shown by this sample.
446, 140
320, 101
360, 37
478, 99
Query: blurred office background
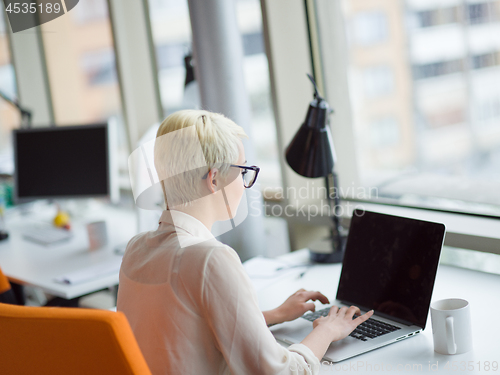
414, 84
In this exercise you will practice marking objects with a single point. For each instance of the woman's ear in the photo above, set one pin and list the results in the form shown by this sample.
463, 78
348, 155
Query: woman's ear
212, 180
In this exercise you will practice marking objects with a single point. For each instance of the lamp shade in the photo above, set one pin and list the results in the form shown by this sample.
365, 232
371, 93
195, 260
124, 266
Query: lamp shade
311, 152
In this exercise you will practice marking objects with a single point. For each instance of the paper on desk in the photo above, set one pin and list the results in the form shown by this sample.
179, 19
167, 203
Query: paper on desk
266, 271
92, 272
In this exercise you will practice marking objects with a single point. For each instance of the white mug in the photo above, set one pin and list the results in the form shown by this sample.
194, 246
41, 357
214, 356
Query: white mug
451, 326
98, 235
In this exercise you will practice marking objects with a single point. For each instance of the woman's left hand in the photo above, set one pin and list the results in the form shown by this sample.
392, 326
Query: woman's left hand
294, 307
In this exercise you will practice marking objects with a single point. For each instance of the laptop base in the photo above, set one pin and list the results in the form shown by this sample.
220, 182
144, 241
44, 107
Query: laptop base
295, 331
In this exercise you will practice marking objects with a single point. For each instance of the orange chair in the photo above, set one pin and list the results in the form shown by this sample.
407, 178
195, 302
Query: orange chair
6, 293
69, 341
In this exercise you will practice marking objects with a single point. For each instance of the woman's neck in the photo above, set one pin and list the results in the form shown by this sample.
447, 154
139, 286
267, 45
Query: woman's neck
202, 214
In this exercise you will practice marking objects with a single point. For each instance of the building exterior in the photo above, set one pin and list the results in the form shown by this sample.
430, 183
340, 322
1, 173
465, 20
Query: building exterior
425, 101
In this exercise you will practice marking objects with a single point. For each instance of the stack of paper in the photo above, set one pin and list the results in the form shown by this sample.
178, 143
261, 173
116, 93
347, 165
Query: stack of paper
92, 272
266, 271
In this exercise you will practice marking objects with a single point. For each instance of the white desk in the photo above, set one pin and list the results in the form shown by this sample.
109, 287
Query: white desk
414, 355
28, 263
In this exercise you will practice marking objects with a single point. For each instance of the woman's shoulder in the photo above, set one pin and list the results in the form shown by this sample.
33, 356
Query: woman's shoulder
225, 253
210, 256
212, 251
224, 261
134, 242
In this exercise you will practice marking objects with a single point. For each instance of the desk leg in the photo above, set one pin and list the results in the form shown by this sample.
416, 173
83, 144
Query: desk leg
18, 290
61, 302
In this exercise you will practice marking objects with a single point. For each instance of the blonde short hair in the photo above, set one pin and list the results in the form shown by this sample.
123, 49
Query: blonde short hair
197, 141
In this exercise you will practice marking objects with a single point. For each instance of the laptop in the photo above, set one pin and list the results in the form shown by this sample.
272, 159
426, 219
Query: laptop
390, 265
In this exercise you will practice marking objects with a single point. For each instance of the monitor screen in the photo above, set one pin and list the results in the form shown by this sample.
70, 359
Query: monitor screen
390, 265
61, 162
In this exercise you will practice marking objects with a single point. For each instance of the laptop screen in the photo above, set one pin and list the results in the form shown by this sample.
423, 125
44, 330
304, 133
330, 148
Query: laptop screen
390, 264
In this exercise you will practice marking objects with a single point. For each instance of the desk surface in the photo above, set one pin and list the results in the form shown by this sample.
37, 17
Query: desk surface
28, 263
414, 355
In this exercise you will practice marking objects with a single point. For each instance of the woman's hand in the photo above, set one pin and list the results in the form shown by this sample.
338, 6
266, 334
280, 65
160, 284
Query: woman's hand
333, 327
340, 322
294, 307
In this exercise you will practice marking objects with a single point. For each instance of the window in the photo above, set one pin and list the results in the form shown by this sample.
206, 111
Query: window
437, 17
476, 13
482, 12
437, 69
488, 111
425, 102
384, 132
171, 29
486, 60
171, 32
253, 44
92, 11
378, 81
370, 27
445, 117
81, 65
256, 70
9, 116
99, 67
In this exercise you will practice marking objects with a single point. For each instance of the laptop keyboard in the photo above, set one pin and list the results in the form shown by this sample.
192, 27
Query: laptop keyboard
367, 330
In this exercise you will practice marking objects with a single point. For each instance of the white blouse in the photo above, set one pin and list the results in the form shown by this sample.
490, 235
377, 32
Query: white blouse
193, 309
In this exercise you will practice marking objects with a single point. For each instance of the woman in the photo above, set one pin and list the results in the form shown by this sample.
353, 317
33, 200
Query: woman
188, 300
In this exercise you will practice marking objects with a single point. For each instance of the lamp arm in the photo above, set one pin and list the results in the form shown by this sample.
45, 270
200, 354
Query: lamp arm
316, 93
25, 114
335, 202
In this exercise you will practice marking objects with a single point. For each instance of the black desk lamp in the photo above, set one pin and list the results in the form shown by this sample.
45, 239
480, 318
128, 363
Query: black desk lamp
311, 154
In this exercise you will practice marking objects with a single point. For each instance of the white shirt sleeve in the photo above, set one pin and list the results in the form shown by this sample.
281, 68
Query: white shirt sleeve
239, 328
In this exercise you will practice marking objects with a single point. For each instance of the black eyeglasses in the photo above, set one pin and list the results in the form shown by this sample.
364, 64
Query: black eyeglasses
249, 174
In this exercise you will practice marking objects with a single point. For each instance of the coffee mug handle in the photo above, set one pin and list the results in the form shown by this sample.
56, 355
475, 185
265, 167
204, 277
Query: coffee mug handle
450, 336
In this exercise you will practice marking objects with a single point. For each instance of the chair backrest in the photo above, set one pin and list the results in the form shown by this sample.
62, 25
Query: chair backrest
55, 340
6, 293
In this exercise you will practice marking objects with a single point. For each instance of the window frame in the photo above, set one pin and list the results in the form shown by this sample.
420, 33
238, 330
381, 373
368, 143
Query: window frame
465, 229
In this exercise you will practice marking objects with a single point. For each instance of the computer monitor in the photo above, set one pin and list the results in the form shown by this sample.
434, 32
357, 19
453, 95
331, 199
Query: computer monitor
62, 162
